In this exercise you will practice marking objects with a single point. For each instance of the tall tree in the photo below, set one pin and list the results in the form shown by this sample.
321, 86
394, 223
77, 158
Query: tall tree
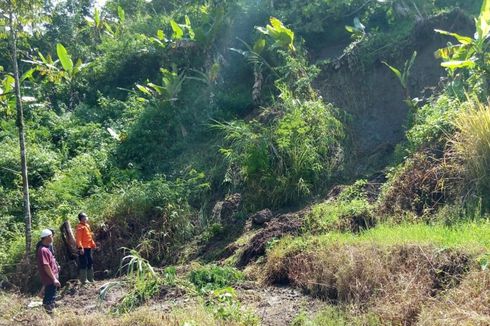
11, 13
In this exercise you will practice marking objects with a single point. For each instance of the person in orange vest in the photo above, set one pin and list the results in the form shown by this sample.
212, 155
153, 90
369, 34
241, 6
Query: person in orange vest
85, 244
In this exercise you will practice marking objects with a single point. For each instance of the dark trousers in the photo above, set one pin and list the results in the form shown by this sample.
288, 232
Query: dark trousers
49, 294
85, 260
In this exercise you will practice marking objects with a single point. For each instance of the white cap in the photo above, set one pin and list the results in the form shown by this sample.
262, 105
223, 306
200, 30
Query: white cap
46, 233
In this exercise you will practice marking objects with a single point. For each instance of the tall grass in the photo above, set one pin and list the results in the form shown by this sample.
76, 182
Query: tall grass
472, 145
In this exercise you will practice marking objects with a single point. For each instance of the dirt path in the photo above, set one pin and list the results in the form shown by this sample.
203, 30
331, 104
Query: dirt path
273, 305
277, 306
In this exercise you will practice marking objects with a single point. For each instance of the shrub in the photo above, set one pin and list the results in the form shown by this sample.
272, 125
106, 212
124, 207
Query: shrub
433, 122
283, 160
355, 215
151, 139
153, 216
41, 161
62, 196
212, 277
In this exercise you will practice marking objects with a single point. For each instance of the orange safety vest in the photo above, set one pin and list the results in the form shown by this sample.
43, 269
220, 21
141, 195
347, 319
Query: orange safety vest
84, 236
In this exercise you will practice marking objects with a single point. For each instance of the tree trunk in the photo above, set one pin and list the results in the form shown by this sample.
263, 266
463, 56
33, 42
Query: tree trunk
69, 240
20, 126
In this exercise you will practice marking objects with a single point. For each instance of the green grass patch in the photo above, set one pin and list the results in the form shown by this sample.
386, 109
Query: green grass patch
472, 237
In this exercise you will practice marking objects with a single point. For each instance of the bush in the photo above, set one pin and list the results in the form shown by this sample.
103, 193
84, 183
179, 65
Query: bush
355, 215
212, 277
294, 151
421, 185
433, 122
153, 216
151, 139
62, 196
42, 163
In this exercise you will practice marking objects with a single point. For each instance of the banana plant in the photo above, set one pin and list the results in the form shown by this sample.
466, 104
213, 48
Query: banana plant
283, 37
70, 70
470, 52
403, 76
179, 32
100, 25
61, 70
50, 68
254, 57
179, 29
170, 87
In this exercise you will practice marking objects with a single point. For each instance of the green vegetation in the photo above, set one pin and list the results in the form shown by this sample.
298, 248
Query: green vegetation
171, 123
213, 277
469, 236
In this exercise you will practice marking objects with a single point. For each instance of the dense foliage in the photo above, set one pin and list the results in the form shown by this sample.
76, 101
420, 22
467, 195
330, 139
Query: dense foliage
145, 113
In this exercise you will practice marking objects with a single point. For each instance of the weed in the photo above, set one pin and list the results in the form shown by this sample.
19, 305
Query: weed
334, 315
143, 282
354, 215
225, 306
212, 277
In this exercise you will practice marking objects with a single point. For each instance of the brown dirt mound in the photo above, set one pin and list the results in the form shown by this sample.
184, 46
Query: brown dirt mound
276, 228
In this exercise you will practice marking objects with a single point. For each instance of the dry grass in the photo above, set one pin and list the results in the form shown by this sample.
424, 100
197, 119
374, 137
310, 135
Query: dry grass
392, 281
13, 311
472, 145
425, 182
468, 304
10, 306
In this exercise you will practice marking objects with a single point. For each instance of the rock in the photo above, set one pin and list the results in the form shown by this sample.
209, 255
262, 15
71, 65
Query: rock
262, 216
223, 211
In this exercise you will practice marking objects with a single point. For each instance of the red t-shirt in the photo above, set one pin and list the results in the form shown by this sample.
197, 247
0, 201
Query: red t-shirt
45, 257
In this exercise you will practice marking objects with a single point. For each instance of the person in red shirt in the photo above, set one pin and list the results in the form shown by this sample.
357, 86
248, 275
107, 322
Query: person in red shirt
85, 244
48, 270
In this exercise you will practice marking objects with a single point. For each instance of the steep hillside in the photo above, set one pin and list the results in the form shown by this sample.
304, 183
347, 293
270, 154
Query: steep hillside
248, 162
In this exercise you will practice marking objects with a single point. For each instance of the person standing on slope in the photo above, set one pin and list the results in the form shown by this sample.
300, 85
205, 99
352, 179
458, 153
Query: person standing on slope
85, 244
48, 270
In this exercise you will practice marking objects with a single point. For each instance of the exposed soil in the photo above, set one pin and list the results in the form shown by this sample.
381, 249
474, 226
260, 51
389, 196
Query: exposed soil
273, 305
275, 229
371, 93
277, 306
